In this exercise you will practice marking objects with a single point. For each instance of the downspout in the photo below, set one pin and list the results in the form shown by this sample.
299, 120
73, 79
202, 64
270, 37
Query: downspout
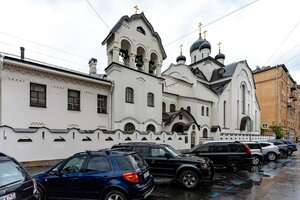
276, 95
1, 68
111, 105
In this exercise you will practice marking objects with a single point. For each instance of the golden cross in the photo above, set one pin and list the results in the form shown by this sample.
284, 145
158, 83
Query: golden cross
219, 44
181, 48
136, 8
204, 32
200, 28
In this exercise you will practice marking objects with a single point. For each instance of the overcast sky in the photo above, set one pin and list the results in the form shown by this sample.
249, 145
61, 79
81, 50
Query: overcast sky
68, 32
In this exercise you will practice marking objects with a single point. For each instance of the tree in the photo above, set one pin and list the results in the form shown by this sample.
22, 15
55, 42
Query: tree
277, 129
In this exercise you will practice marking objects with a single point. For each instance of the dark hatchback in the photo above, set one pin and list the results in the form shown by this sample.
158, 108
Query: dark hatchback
164, 161
104, 174
15, 182
230, 154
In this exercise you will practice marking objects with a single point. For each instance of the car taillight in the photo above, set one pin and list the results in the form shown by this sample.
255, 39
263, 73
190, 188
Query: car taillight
131, 176
248, 149
260, 150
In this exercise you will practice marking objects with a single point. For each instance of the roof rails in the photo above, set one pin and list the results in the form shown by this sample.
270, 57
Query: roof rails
137, 143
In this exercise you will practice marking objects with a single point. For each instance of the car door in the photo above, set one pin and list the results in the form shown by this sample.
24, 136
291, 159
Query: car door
62, 182
220, 154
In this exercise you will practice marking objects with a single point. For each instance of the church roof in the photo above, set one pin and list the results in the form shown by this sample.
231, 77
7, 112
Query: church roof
169, 117
218, 88
133, 17
224, 72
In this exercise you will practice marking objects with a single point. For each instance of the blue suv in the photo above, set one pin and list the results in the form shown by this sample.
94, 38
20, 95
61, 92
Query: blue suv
103, 174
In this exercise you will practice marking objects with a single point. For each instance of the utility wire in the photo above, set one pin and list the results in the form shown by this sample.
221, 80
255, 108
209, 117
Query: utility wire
214, 21
288, 52
282, 42
97, 14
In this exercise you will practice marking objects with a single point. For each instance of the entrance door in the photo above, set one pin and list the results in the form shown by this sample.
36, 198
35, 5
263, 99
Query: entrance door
193, 139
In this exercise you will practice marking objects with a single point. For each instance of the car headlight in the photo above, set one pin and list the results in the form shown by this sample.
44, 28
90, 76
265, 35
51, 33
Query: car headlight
204, 166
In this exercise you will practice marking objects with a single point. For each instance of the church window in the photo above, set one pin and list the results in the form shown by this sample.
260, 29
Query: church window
151, 128
243, 99
224, 114
129, 127
172, 108
202, 110
205, 133
37, 95
150, 99
164, 107
101, 104
207, 111
194, 58
73, 100
129, 95
188, 108
141, 30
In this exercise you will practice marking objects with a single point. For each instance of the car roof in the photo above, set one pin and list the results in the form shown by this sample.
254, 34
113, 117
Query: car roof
221, 141
106, 152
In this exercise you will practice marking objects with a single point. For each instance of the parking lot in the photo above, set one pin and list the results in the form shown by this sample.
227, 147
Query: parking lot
270, 180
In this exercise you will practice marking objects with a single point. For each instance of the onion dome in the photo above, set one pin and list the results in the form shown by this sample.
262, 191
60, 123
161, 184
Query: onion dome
205, 45
196, 44
181, 57
220, 56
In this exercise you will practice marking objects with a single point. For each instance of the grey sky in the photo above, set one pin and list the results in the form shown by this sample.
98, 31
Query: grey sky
253, 33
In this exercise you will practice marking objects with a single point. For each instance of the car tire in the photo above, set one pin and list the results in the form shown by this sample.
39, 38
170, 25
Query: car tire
271, 156
289, 152
234, 166
189, 179
115, 195
41, 194
282, 154
255, 160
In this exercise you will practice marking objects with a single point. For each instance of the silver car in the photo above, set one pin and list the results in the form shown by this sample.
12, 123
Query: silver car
270, 151
256, 152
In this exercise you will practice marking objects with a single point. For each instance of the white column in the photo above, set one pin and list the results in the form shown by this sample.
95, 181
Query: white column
116, 51
146, 66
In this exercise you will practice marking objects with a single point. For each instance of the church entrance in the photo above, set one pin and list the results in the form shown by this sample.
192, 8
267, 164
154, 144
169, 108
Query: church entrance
178, 127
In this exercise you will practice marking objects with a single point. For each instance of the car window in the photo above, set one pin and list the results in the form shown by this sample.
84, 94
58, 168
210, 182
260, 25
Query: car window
143, 151
99, 163
10, 173
124, 163
233, 147
137, 161
277, 143
157, 152
220, 148
253, 145
264, 144
73, 165
205, 149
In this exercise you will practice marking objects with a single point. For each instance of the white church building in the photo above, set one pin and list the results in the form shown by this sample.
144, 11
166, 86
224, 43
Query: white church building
49, 112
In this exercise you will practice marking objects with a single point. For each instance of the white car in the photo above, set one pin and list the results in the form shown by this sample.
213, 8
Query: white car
269, 150
256, 152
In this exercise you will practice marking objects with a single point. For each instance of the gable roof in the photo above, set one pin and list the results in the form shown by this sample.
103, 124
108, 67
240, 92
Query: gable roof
133, 17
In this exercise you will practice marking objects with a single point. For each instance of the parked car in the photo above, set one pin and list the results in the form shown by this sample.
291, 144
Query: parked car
230, 154
103, 174
165, 162
290, 144
284, 149
270, 151
15, 182
256, 151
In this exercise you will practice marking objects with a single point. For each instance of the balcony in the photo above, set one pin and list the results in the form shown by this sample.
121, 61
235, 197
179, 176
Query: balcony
293, 87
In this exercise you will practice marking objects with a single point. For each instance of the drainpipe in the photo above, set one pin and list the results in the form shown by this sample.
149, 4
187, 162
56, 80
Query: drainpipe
1, 67
276, 94
111, 105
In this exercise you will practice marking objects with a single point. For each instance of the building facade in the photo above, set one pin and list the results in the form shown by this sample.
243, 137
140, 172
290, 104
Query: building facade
278, 95
48, 112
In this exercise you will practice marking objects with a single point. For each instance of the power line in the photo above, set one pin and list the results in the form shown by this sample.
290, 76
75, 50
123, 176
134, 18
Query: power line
288, 52
282, 42
214, 21
98, 14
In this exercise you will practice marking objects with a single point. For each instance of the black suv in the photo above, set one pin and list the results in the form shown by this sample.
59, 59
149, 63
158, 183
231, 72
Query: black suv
103, 174
230, 154
164, 161
15, 182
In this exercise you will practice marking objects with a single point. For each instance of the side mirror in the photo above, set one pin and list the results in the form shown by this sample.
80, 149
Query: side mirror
55, 171
167, 155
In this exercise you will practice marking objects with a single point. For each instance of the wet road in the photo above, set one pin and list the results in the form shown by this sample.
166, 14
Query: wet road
278, 180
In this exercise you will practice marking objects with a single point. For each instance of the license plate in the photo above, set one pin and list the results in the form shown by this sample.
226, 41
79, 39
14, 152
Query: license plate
10, 196
146, 174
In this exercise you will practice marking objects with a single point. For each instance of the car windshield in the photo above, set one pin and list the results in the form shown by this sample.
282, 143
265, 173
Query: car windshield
172, 151
10, 173
137, 161
194, 148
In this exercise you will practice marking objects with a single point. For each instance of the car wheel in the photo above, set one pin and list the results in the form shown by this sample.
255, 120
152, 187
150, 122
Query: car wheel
115, 195
282, 154
41, 195
255, 160
189, 179
234, 166
289, 152
271, 156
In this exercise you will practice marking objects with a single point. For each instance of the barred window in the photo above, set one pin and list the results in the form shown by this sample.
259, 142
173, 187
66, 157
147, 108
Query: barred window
172, 108
150, 99
129, 95
150, 127
73, 100
37, 95
129, 127
101, 104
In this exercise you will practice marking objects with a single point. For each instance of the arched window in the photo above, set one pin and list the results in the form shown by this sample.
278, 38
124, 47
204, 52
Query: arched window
194, 58
129, 95
207, 111
188, 108
164, 109
150, 127
224, 114
172, 108
243, 99
129, 127
202, 110
150, 99
205, 133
